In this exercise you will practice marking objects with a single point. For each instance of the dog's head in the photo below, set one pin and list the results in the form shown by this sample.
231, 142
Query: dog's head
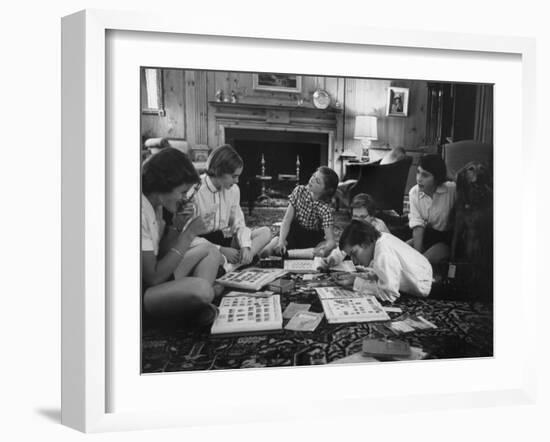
474, 185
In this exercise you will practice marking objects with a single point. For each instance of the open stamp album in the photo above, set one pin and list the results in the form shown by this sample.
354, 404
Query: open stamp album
248, 312
341, 305
252, 278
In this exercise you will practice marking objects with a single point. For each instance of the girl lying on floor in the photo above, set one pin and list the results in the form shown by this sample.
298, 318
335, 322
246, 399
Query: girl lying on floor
398, 266
308, 219
167, 251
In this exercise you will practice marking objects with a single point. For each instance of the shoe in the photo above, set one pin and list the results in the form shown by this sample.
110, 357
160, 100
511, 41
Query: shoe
206, 316
221, 272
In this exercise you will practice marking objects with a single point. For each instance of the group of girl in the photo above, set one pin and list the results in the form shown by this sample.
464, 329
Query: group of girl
192, 226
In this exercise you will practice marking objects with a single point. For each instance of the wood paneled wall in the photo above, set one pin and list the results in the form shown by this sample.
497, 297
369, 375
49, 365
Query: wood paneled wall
188, 115
369, 97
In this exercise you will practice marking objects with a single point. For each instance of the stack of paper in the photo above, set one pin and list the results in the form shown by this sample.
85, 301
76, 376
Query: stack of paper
300, 253
314, 265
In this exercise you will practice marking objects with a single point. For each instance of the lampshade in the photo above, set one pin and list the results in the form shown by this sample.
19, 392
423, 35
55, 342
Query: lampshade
365, 127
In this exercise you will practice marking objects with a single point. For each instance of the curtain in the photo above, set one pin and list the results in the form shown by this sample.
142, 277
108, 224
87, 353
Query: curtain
483, 124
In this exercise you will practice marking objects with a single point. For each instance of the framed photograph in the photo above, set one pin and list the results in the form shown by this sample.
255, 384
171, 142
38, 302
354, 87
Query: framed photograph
397, 102
275, 82
104, 385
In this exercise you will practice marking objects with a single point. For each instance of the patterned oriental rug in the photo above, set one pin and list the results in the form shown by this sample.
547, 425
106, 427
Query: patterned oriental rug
464, 330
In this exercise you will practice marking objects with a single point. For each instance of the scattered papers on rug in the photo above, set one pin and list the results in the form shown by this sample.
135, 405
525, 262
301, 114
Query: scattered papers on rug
293, 307
304, 321
408, 324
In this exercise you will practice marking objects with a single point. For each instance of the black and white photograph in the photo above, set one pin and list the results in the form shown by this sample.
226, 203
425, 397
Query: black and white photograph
398, 102
275, 233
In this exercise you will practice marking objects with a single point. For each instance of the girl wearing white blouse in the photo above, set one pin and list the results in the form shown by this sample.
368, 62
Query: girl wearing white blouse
431, 209
166, 179
218, 201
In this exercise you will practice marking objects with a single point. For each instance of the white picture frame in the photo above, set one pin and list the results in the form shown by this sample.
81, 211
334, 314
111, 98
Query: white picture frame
87, 256
400, 109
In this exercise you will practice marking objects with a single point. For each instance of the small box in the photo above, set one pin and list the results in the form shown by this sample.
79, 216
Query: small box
385, 348
271, 262
281, 286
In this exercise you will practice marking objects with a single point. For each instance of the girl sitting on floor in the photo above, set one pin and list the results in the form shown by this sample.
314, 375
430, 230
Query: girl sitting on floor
431, 207
308, 219
218, 201
397, 265
165, 179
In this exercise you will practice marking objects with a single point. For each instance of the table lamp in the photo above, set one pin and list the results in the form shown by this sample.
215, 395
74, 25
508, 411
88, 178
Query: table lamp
366, 131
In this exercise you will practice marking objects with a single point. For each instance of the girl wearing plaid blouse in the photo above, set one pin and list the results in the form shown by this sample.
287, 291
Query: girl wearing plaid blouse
308, 219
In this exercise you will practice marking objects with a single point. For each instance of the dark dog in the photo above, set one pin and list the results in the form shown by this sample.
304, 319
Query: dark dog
473, 232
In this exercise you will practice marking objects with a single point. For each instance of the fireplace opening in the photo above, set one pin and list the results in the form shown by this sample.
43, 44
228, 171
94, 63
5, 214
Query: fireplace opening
281, 150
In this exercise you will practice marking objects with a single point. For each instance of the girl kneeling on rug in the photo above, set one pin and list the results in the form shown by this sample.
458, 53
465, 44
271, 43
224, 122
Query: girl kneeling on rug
166, 179
219, 203
398, 266
308, 219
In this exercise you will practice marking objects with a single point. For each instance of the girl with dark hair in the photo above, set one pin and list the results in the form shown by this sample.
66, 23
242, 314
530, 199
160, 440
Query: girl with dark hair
308, 219
363, 207
431, 206
219, 203
169, 252
398, 267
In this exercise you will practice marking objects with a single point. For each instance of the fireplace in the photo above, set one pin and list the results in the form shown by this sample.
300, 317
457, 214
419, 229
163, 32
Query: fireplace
282, 133
280, 150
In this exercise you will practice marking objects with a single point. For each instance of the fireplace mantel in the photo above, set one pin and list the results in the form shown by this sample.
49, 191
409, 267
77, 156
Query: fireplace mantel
277, 117
272, 105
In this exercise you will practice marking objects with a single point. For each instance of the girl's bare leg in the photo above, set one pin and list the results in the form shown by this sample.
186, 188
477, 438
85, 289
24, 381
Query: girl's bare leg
438, 253
177, 298
260, 239
191, 259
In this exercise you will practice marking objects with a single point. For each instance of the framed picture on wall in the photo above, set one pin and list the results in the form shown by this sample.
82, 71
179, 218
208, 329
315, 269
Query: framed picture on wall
267, 81
397, 104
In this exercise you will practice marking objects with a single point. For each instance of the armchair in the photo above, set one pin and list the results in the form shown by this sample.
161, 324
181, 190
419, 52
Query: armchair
385, 183
457, 155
